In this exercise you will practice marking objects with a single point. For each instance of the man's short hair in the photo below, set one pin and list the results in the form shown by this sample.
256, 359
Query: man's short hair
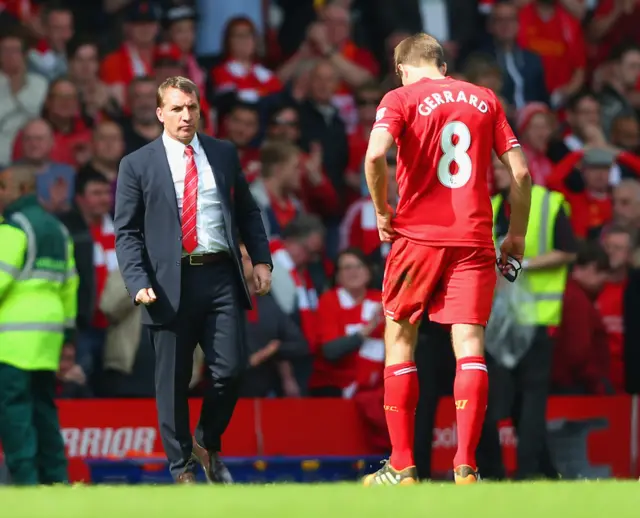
575, 99
591, 252
185, 85
87, 177
419, 49
274, 153
303, 226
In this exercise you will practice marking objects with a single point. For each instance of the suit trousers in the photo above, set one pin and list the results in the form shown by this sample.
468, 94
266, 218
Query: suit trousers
209, 314
29, 427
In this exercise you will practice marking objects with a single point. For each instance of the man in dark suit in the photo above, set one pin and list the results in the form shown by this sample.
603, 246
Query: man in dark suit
181, 201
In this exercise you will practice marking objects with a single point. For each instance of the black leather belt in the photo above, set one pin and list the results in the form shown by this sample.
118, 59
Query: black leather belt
202, 259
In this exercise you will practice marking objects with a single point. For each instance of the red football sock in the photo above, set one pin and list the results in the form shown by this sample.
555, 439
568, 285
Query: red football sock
400, 401
470, 391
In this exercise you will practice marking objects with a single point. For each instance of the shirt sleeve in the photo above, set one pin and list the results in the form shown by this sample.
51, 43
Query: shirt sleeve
390, 115
503, 137
564, 239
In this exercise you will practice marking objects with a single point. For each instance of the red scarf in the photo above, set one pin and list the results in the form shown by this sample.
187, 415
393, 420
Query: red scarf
307, 297
359, 228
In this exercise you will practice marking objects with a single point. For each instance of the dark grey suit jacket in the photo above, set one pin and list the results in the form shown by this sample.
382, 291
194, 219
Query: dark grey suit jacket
148, 227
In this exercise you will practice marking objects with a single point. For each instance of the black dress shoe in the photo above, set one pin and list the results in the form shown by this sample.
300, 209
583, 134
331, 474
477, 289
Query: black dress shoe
186, 478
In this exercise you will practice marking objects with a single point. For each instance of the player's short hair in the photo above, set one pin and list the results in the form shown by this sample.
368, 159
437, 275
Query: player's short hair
183, 84
419, 49
274, 153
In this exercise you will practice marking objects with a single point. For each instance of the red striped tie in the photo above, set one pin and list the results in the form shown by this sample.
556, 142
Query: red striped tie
190, 203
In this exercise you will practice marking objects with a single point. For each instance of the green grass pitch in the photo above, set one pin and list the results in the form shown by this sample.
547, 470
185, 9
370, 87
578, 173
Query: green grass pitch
491, 500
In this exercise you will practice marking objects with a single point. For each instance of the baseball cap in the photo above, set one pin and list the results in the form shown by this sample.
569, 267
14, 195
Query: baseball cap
143, 11
598, 158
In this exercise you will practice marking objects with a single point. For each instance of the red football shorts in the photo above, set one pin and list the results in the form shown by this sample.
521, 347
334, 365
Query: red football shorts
453, 284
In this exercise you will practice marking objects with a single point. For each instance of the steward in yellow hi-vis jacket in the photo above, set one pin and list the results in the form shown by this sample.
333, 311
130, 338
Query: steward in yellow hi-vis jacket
38, 286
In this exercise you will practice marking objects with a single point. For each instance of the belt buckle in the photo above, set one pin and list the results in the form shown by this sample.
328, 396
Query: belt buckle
191, 263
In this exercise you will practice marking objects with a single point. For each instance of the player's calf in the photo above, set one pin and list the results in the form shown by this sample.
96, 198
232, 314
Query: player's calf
400, 391
470, 391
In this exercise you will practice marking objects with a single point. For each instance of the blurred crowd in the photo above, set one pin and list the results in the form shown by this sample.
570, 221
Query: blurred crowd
295, 84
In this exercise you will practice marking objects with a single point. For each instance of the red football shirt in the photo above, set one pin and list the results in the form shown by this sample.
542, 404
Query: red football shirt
445, 130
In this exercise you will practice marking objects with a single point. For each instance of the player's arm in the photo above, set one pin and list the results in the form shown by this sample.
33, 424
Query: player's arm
389, 125
508, 149
520, 192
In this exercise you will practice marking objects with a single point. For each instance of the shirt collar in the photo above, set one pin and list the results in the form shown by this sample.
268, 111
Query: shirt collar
173, 146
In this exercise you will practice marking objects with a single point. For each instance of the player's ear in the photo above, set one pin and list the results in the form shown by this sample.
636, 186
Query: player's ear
443, 69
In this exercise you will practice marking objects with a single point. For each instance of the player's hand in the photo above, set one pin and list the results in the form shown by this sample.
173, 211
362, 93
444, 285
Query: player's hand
262, 279
146, 296
385, 230
512, 246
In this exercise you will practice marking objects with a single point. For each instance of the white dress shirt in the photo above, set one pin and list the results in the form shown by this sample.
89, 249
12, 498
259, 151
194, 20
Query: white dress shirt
212, 237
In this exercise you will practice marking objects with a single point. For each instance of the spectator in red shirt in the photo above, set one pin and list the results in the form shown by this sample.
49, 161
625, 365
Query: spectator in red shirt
614, 22
240, 73
275, 190
135, 57
547, 29
618, 242
91, 228
580, 355
349, 353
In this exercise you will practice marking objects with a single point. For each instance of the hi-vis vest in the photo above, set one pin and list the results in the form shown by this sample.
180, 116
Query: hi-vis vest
547, 286
38, 287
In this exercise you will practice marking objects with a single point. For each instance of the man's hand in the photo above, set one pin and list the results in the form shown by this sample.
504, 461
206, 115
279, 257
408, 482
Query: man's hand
146, 296
373, 324
265, 353
262, 278
75, 375
291, 388
512, 246
385, 230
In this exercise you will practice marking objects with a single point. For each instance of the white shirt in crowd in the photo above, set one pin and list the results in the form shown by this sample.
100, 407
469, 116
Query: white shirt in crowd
212, 237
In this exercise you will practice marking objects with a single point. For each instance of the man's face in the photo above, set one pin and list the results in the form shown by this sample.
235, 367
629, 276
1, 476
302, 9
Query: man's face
591, 278
59, 28
304, 251
108, 143
596, 179
367, 102
8, 190
587, 113
629, 68
84, 65
338, 24
63, 100
242, 126
143, 34
324, 82
96, 200
37, 142
183, 34
538, 132
504, 24
618, 248
285, 126
180, 114
626, 205
289, 173
626, 134
142, 101
12, 59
